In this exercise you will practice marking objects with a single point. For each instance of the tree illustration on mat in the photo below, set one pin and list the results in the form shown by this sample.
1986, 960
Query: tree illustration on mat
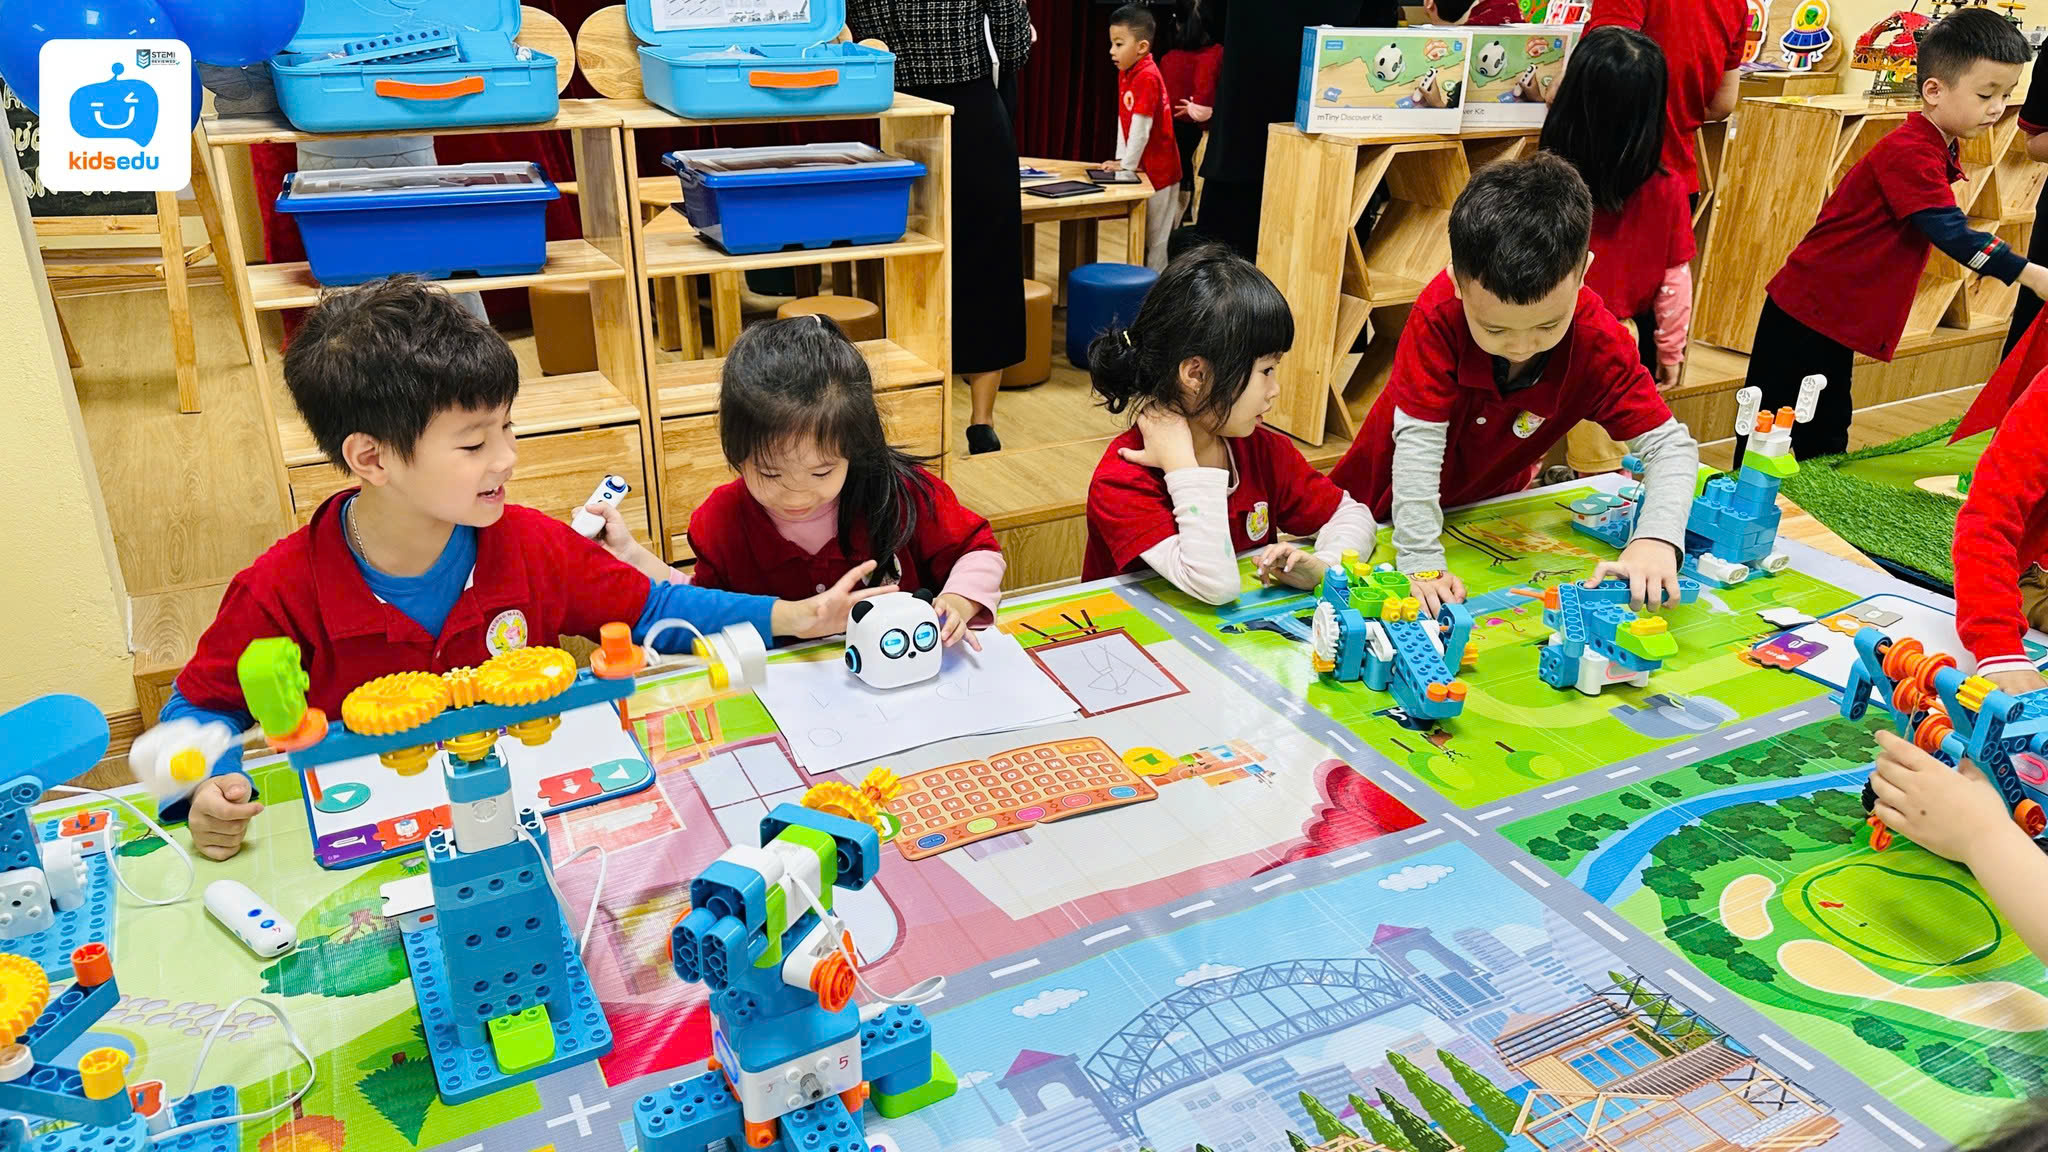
1450, 1113
1497, 1106
1295, 1143
1328, 1127
1381, 1129
1421, 1137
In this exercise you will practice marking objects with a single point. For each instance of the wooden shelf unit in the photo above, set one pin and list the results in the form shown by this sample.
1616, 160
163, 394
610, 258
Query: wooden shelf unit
1790, 154
911, 364
571, 429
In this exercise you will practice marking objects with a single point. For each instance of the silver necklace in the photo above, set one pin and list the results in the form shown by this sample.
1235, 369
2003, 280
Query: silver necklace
354, 537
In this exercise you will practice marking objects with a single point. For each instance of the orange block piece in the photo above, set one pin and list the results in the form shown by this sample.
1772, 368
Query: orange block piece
91, 966
1458, 689
617, 657
83, 822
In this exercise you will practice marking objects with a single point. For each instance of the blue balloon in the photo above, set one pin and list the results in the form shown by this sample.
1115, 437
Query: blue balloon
233, 33
25, 25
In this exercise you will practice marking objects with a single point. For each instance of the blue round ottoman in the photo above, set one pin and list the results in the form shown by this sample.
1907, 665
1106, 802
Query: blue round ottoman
1102, 298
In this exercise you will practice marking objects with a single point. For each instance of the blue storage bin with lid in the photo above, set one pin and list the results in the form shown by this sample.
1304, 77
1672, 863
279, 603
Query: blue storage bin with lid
726, 59
750, 200
382, 65
432, 221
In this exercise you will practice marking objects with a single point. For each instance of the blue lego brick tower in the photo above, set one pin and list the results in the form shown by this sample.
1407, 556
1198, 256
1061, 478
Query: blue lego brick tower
1732, 533
56, 889
1596, 640
1368, 629
794, 1060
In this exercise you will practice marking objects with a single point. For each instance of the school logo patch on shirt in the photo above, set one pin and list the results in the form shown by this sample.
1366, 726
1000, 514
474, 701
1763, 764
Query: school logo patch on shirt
507, 632
1526, 424
1257, 521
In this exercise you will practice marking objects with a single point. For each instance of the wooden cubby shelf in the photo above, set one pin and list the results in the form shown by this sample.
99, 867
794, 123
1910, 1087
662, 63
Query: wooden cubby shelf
690, 387
278, 286
545, 404
686, 254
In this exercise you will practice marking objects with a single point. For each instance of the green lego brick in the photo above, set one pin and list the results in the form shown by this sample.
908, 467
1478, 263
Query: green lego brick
273, 683
775, 923
828, 857
1778, 466
941, 1086
1655, 646
522, 1040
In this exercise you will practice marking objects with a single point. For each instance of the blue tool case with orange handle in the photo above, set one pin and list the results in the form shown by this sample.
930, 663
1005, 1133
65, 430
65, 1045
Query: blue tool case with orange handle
726, 59
392, 65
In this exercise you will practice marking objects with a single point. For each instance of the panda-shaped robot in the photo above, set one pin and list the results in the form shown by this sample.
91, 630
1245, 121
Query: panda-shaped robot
1388, 64
893, 640
1491, 60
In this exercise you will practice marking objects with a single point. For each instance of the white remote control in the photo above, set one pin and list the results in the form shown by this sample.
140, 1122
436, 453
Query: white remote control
610, 490
241, 911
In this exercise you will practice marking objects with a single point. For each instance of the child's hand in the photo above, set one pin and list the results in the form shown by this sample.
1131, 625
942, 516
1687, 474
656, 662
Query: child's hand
1199, 113
618, 540
2034, 278
955, 612
1952, 812
1668, 375
1289, 564
1436, 589
1169, 445
220, 814
825, 613
1651, 568
2019, 682
1429, 93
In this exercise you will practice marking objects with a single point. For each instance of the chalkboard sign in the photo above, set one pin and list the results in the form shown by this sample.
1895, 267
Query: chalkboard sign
27, 132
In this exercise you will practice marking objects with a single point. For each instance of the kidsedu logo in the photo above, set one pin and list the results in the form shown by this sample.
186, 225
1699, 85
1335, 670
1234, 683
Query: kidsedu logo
117, 115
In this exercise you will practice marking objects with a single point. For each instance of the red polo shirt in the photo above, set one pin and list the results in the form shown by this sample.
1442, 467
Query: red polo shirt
1141, 91
1497, 442
2002, 529
1129, 509
739, 548
1702, 41
1634, 247
1494, 12
1853, 277
535, 580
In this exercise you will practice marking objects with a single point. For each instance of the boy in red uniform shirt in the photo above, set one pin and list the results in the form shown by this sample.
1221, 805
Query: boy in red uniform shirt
1702, 43
2001, 540
1144, 125
424, 567
1849, 285
1502, 354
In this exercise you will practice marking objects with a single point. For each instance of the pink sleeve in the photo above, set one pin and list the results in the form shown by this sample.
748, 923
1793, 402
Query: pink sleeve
978, 576
1673, 312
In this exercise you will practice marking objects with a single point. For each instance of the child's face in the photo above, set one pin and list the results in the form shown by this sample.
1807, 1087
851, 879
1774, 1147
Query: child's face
1974, 102
1254, 402
1125, 48
1518, 332
796, 480
459, 468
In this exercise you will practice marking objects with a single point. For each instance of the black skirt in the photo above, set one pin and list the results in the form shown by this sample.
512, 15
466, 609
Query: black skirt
988, 262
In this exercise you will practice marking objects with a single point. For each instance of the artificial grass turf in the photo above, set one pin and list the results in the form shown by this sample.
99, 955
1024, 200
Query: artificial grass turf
1866, 497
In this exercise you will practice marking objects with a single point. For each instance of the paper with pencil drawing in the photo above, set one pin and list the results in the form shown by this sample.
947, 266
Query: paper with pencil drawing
832, 720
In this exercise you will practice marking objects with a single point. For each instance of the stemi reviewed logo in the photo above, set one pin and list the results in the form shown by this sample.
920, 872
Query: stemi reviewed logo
117, 115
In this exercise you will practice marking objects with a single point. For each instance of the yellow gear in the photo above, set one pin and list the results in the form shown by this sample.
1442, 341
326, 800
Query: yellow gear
24, 993
535, 732
841, 799
1972, 691
525, 676
881, 786
396, 703
462, 691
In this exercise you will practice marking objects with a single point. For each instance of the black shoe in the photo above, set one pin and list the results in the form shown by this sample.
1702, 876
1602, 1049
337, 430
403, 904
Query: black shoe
982, 438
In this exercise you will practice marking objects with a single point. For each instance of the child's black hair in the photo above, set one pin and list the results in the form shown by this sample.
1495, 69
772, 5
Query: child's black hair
802, 378
1607, 116
1209, 303
1138, 19
1191, 28
1452, 11
1521, 226
1965, 36
2024, 1129
384, 358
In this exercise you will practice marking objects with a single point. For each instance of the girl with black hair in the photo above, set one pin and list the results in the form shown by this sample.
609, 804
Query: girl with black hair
821, 489
1189, 70
1198, 478
1607, 119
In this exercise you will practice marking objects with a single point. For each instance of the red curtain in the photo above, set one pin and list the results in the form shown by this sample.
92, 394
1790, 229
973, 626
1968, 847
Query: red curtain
1067, 93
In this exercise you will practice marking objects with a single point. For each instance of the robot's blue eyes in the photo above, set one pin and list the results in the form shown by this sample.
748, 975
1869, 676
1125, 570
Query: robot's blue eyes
895, 642
927, 637
853, 660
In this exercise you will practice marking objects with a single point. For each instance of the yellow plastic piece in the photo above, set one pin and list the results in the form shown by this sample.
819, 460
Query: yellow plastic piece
396, 703
535, 732
525, 676
100, 1073
24, 993
462, 690
470, 747
407, 761
721, 676
1972, 691
839, 798
1322, 666
881, 785
1411, 608
188, 765
1648, 626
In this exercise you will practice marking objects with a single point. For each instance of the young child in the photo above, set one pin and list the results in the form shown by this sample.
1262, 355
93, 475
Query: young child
1190, 74
2001, 540
1144, 119
820, 488
1199, 479
1476, 12
1504, 352
1849, 285
1608, 120
1703, 48
423, 566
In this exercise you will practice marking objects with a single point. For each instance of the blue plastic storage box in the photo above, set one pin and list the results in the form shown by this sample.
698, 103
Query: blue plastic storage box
748, 200
366, 66
698, 58
431, 221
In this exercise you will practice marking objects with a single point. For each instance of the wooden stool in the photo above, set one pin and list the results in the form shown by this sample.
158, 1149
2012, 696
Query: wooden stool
563, 335
858, 318
1036, 367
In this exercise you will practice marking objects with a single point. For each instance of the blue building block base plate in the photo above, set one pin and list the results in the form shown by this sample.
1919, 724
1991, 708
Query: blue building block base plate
464, 1073
89, 922
132, 1134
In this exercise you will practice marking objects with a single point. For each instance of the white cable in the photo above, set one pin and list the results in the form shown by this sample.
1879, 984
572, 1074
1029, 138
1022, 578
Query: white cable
654, 657
923, 992
191, 872
596, 890
298, 1045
